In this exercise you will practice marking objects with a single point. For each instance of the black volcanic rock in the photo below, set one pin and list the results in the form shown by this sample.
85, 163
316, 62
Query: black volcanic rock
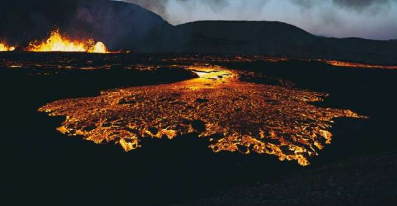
126, 26
365, 181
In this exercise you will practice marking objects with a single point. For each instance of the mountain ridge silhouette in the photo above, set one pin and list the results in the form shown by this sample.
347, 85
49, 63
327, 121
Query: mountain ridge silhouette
126, 26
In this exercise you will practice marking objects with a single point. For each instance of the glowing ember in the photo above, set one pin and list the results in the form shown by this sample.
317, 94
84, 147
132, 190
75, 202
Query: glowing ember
5, 47
235, 116
59, 43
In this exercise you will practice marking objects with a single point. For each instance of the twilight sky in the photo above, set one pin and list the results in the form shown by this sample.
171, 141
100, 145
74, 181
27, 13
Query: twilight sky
373, 19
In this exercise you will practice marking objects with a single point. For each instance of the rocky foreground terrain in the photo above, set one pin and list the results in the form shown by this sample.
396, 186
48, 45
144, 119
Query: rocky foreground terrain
365, 181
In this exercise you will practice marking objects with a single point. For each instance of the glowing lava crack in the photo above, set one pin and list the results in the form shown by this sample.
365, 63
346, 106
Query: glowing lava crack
235, 116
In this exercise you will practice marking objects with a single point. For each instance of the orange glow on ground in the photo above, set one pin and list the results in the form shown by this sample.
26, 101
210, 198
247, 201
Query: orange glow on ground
358, 65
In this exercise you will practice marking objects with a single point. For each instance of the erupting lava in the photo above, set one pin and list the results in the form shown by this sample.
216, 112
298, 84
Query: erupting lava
58, 42
5, 47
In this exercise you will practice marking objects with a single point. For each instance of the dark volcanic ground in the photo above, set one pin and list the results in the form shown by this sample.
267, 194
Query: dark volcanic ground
42, 166
365, 180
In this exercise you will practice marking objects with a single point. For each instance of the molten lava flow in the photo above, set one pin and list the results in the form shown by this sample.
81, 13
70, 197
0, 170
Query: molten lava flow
58, 43
5, 47
358, 65
234, 116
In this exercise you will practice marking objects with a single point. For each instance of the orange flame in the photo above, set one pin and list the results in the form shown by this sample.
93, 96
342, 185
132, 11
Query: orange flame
59, 43
5, 47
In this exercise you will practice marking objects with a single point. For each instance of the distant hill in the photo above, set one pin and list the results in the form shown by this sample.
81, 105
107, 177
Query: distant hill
130, 27
242, 37
277, 38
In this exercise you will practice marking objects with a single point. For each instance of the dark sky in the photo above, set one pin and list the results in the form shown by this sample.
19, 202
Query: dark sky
373, 19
